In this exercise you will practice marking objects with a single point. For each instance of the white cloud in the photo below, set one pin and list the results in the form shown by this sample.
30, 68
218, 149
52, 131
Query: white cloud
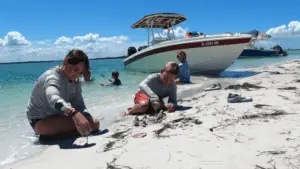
90, 37
290, 30
14, 47
178, 32
63, 40
18, 49
43, 42
14, 39
115, 39
94, 45
266, 44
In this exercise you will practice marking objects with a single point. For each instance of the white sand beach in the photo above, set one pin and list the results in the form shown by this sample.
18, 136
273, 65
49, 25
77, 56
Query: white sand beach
209, 133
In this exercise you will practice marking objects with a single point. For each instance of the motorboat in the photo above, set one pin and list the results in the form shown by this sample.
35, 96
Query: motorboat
207, 54
276, 51
251, 51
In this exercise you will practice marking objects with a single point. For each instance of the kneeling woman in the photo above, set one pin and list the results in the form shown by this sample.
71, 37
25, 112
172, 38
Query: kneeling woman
56, 106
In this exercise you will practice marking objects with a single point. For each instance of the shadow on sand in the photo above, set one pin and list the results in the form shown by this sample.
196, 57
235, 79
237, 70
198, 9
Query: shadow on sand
238, 74
67, 143
183, 108
229, 74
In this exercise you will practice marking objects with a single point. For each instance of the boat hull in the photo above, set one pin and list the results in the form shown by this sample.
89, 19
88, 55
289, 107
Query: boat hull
206, 57
256, 53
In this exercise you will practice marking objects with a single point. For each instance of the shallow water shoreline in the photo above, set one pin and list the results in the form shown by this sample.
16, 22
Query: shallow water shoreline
261, 133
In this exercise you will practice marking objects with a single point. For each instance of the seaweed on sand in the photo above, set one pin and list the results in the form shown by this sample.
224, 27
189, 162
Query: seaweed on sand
264, 115
112, 165
120, 134
260, 105
245, 85
288, 88
250, 117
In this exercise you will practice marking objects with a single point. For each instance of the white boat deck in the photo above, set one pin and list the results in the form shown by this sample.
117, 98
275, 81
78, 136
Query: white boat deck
189, 40
201, 38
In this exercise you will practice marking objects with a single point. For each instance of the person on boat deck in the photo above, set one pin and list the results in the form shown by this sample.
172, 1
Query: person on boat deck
156, 87
115, 80
56, 106
184, 73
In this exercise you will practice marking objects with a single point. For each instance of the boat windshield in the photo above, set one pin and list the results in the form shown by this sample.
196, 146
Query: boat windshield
161, 36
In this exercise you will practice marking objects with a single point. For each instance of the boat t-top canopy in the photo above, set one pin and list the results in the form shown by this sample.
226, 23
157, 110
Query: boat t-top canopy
159, 20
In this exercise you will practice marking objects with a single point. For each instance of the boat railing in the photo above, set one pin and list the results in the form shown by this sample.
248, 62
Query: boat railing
166, 40
156, 41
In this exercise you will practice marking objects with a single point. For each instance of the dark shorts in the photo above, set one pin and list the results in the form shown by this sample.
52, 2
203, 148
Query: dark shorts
33, 122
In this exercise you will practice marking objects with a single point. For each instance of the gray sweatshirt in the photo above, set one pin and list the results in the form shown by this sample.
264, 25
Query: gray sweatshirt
51, 92
153, 87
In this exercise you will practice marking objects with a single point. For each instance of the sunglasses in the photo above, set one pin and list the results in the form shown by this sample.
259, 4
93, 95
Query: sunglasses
75, 61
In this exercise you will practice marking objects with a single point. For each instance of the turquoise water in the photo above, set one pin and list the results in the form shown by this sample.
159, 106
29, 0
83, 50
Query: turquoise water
105, 103
248, 63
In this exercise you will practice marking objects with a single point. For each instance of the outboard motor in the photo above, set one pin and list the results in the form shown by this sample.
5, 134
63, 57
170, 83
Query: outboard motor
131, 50
279, 50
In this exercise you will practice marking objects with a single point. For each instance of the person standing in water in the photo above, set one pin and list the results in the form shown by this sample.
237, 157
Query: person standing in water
56, 106
184, 73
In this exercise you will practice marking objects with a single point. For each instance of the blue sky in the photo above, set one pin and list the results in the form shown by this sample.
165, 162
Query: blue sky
41, 23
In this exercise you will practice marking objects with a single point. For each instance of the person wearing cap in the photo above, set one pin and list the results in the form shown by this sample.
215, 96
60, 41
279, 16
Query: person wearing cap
56, 106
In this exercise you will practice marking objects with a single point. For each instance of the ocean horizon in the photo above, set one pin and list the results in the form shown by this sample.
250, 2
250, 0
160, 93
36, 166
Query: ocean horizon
40, 61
